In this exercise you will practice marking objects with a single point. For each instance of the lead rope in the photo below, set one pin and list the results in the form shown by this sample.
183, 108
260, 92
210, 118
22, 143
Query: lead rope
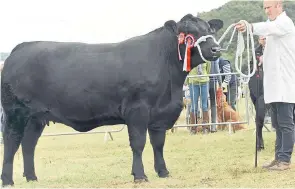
241, 49
239, 62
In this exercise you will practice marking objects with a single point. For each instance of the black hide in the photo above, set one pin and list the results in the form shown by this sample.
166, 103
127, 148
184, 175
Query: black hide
137, 82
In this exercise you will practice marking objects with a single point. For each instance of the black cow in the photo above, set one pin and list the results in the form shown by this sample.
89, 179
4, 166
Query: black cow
257, 96
137, 82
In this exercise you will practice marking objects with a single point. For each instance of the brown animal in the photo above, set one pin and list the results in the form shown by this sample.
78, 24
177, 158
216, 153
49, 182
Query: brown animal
186, 101
225, 113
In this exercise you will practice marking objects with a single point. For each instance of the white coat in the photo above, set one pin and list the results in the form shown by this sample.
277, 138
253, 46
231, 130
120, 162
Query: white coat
278, 58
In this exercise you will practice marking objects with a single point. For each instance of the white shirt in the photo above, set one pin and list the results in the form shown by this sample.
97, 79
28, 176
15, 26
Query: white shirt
278, 58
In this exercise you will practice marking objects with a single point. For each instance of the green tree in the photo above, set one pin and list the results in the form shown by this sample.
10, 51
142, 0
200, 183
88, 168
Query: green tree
233, 11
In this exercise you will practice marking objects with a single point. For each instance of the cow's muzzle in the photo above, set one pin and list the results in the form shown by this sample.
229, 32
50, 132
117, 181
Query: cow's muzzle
215, 50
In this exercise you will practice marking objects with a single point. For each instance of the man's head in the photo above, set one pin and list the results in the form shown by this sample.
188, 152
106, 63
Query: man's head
261, 40
273, 8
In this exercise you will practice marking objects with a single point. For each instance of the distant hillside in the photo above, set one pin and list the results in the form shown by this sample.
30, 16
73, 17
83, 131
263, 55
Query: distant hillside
233, 11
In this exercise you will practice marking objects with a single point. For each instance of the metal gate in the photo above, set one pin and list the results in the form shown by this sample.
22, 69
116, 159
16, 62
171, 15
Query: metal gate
243, 105
107, 132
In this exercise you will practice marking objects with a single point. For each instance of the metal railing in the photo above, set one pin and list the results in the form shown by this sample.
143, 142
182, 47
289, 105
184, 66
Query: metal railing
239, 100
108, 133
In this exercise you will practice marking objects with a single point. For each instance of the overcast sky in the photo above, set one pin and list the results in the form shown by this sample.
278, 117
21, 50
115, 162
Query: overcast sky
92, 21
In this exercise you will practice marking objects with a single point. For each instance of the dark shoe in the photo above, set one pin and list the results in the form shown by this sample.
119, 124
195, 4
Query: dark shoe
213, 128
270, 164
193, 120
206, 129
280, 166
205, 117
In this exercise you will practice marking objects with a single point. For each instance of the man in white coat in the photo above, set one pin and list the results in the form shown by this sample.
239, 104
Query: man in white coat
279, 77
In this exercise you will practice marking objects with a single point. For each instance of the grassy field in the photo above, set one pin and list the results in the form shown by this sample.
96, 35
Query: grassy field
215, 160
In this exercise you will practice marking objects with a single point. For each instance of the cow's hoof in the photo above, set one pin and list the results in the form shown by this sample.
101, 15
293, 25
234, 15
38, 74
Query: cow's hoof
7, 184
30, 177
163, 174
141, 179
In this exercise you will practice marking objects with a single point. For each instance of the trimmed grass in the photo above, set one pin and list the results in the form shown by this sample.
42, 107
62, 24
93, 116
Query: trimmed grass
214, 160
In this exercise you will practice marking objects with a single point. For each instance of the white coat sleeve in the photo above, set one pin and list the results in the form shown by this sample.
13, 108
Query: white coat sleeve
274, 28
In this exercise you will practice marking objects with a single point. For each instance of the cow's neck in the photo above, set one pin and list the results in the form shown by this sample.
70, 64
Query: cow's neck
176, 74
177, 78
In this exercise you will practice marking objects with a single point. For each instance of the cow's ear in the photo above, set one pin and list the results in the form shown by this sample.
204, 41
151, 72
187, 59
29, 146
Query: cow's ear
215, 24
171, 25
187, 17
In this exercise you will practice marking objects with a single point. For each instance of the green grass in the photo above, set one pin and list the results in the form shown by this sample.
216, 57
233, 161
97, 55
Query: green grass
215, 160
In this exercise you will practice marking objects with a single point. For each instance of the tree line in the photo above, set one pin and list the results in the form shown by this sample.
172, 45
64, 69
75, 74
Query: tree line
233, 11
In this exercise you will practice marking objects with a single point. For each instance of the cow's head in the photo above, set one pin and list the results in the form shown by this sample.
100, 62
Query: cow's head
196, 41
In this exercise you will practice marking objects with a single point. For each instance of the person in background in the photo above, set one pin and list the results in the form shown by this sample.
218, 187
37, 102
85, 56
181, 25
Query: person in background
215, 81
198, 87
278, 83
229, 82
187, 99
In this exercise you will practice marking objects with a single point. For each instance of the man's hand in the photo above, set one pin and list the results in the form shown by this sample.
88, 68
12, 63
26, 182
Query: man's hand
240, 26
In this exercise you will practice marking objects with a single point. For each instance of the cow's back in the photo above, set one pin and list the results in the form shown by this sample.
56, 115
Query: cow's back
94, 79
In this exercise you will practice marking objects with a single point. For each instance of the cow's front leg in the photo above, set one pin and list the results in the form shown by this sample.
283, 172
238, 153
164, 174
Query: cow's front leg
157, 139
137, 129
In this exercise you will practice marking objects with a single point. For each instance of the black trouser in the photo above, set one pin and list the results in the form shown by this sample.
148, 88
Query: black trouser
282, 117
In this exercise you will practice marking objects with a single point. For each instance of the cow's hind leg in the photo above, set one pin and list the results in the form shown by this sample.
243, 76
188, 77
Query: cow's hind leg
32, 133
12, 136
157, 139
137, 129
